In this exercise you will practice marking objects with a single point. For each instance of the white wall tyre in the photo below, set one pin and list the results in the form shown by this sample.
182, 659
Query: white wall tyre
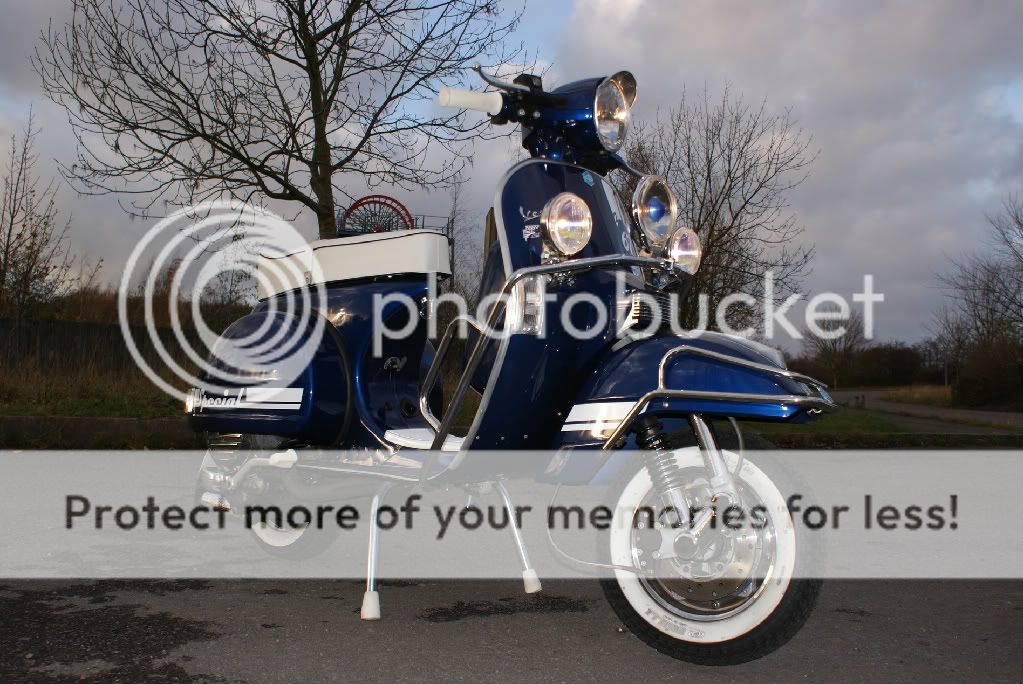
753, 621
295, 543
278, 537
285, 541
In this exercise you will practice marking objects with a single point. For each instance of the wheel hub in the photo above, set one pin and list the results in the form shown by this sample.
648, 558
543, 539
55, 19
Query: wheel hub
714, 573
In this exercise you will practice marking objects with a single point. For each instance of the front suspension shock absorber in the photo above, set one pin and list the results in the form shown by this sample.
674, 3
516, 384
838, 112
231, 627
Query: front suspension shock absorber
665, 475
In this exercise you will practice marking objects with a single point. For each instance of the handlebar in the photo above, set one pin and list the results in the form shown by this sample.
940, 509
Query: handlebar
490, 103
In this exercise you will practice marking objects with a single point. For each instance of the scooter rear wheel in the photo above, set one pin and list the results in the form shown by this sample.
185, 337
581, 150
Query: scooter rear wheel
294, 543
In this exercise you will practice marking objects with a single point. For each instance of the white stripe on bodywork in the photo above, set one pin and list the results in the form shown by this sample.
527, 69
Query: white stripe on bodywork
268, 406
277, 395
595, 428
264, 406
597, 417
599, 411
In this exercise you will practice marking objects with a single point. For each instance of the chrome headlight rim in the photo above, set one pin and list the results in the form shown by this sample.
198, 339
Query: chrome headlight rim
624, 84
554, 236
656, 234
685, 249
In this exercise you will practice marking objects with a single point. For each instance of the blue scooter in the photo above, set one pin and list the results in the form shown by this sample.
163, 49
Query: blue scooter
621, 399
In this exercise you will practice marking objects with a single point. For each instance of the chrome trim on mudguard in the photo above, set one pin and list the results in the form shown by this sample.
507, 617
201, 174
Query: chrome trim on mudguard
735, 361
821, 402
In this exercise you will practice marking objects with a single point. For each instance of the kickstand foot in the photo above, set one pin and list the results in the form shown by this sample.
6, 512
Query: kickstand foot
530, 580
370, 605
371, 599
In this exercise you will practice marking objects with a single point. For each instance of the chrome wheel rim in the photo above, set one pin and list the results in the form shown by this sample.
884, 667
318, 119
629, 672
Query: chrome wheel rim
725, 576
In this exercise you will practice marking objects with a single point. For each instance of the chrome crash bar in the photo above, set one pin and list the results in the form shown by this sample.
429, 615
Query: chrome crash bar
443, 427
818, 403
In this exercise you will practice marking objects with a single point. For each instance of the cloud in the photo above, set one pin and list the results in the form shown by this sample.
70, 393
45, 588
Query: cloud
915, 108
100, 227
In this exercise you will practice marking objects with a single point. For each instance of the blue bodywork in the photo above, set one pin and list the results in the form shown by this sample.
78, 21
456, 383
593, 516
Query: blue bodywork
564, 371
529, 383
382, 390
324, 383
630, 372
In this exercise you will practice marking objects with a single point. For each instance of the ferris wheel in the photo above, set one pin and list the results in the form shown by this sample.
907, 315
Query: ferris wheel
375, 214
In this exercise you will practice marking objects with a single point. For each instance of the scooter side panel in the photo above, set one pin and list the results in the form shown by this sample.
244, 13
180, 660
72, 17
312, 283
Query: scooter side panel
308, 403
386, 380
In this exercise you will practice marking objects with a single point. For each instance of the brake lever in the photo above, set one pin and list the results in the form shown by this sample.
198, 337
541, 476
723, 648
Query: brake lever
498, 83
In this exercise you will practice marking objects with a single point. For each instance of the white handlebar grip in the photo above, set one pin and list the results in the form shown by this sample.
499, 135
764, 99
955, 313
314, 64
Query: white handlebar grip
491, 103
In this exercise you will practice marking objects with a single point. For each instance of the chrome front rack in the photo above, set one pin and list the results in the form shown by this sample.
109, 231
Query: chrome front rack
820, 402
442, 427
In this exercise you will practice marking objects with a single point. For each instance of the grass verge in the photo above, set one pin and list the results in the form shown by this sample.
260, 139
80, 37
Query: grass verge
925, 395
38, 389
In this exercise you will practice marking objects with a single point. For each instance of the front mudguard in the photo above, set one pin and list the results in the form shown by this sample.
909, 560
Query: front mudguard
673, 377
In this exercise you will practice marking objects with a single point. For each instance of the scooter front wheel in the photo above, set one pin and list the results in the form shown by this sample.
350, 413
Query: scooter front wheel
733, 598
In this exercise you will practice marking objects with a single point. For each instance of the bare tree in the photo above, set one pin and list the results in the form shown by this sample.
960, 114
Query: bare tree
987, 290
733, 166
1007, 228
836, 351
975, 287
187, 100
35, 261
979, 329
466, 264
951, 339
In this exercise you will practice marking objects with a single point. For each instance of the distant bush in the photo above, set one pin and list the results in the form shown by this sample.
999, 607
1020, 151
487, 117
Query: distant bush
991, 375
887, 364
79, 368
70, 357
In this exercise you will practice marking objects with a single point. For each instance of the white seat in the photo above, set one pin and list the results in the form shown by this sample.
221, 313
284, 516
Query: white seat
349, 258
421, 438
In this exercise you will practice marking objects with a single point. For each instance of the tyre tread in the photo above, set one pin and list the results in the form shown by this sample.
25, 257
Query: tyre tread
774, 632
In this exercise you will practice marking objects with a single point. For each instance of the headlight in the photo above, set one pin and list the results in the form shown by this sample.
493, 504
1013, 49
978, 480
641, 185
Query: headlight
526, 307
567, 223
685, 250
611, 108
655, 209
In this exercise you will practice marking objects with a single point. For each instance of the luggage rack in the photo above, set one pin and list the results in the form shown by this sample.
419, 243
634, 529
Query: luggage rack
384, 214
819, 402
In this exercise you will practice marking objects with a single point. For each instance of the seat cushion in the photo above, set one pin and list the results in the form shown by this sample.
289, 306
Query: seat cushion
349, 258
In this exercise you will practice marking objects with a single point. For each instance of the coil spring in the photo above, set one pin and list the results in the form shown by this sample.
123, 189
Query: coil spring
660, 461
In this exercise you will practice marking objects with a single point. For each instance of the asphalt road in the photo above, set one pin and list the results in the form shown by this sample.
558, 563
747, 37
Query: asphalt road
934, 419
309, 631
928, 426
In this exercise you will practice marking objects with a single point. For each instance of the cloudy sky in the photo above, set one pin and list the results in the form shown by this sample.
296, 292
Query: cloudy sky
916, 109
